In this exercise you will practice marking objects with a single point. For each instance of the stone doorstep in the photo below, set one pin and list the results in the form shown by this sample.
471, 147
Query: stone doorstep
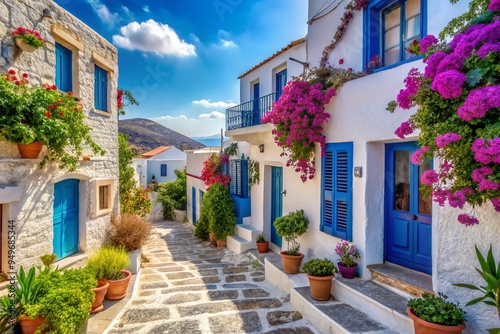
409, 281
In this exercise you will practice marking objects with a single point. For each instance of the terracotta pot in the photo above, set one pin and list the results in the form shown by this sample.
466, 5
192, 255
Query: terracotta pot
221, 243
100, 292
321, 286
23, 46
213, 242
347, 272
263, 247
30, 151
29, 326
291, 263
118, 289
425, 327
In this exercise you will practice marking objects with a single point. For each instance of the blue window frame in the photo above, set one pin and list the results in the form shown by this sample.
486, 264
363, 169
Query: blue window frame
163, 170
100, 89
64, 68
280, 83
336, 191
390, 26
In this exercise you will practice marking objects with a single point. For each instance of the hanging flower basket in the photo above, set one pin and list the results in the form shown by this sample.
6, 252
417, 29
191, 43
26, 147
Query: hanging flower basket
24, 46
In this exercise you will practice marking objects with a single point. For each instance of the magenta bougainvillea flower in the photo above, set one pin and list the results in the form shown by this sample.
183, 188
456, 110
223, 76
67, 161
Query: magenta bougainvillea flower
416, 157
467, 220
449, 83
341, 61
427, 42
429, 177
479, 101
404, 130
494, 5
447, 139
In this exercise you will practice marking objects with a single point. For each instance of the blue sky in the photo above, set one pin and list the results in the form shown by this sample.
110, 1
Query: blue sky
181, 59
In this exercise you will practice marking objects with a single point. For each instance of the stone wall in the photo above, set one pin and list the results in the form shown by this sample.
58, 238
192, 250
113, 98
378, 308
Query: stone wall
26, 191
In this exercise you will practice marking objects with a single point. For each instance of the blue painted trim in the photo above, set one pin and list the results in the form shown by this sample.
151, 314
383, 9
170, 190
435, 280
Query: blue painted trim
64, 68
100, 88
163, 171
193, 204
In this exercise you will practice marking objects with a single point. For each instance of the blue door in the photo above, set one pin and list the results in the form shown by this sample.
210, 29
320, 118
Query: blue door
408, 214
276, 202
280, 83
256, 106
193, 201
65, 220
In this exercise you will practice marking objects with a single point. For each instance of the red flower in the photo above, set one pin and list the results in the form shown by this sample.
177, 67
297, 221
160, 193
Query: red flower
70, 93
25, 75
12, 72
48, 114
350, 69
18, 82
341, 61
61, 114
54, 87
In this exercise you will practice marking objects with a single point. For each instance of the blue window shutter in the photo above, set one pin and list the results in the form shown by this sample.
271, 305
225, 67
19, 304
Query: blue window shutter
100, 89
163, 170
64, 68
337, 191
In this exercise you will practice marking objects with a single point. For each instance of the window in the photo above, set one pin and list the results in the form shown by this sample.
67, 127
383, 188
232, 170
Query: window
280, 83
163, 170
103, 202
239, 178
104, 192
336, 185
64, 68
391, 26
100, 89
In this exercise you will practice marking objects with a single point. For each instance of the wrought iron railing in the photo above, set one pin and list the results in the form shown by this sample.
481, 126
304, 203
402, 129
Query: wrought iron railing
250, 113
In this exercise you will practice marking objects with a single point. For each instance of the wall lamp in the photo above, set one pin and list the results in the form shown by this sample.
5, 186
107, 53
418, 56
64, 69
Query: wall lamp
46, 13
261, 148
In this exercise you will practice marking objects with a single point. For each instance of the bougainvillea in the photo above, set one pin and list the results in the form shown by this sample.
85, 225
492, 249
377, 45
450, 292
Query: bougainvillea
213, 170
298, 117
458, 115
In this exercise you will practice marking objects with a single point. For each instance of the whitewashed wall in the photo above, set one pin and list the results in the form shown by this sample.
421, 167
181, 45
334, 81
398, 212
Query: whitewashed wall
194, 165
27, 192
154, 168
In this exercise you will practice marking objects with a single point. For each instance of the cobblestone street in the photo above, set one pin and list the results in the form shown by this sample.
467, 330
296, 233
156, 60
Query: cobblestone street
189, 287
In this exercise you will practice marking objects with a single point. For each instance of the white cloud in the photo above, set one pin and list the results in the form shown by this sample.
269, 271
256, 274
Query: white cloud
146, 9
213, 114
173, 117
103, 12
127, 12
155, 37
195, 38
223, 34
228, 44
218, 105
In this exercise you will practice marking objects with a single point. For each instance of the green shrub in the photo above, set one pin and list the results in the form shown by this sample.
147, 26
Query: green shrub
318, 267
173, 195
437, 309
48, 259
261, 237
291, 226
138, 202
221, 217
107, 263
201, 227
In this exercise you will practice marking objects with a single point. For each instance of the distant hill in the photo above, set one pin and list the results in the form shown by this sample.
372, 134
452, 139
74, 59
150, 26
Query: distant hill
145, 135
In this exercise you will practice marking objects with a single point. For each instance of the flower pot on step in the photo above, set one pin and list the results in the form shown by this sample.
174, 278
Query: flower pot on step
291, 263
118, 289
425, 327
29, 326
30, 151
347, 272
321, 286
213, 241
100, 292
221, 243
263, 247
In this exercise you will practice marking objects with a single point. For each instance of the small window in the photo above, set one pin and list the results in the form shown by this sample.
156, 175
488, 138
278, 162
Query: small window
163, 170
104, 192
103, 202
64, 68
100, 89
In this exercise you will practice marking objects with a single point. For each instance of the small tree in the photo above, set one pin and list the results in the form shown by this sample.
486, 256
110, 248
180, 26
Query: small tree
290, 227
221, 217
173, 195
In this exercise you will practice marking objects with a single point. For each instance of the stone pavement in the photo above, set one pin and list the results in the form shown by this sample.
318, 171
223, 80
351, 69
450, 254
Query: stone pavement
188, 287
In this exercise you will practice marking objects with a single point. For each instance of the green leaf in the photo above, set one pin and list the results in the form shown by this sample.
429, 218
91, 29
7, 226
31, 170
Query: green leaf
494, 330
475, 301
474, 77
468, 286
491, 262
481, 260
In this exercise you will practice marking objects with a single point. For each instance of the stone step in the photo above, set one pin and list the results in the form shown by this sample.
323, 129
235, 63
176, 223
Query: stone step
247, 232
375, 300
409, 281
247, 220
333, 316
238, 244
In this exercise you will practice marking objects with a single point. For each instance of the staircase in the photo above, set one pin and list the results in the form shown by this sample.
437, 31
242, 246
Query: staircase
357, 306
243, 238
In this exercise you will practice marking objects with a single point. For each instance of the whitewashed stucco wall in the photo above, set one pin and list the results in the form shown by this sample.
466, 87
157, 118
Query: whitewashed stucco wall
154, 168
33, 210
194, 165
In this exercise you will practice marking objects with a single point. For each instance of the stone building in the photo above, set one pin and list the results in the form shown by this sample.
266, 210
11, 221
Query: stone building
49, 209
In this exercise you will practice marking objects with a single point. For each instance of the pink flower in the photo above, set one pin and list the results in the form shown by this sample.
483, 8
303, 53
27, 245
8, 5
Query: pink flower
449, 83
440, 196
457, 199
467, 220
447, 139
416, 157
341, 61
494, 5
427, 42
404, 130
496, 204
486, 184
479, 101
429, 177
479, 174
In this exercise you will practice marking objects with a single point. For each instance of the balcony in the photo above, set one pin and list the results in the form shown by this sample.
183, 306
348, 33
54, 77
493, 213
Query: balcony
250, 113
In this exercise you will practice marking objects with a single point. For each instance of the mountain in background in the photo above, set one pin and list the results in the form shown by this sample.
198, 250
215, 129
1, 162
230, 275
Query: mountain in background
145, 135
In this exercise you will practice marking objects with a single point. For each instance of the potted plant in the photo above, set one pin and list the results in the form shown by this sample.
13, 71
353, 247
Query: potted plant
36, 115
320, 274
347, 253
221, 217
290, 227
27, 40
434, 314
491, 290
8, 314
262, 243
109, 264
130, 232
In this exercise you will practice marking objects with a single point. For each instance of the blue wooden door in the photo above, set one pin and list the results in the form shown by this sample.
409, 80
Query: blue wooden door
193, 201
276, 202
280, 83
256, 107
65, 219
408, 214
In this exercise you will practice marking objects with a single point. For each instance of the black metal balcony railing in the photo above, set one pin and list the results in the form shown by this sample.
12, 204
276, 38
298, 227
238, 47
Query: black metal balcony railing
250, 113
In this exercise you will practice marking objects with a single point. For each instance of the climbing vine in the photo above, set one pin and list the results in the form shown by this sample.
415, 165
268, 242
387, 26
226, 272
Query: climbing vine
253, 173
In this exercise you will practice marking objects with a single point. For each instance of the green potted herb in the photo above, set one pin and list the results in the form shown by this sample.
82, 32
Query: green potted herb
27, 40
435, 314
291, 226
32, 116
262, 243
320, 274
221, 217
109, 264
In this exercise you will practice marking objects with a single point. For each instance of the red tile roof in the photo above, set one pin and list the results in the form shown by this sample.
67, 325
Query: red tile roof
289, 46
154, 152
